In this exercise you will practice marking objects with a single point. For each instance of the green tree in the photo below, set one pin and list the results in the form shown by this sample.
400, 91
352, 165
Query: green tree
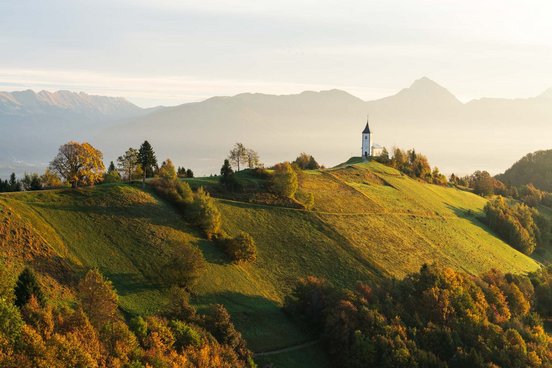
284, 181
128, 162
147, 160
189, 173
227, 177
11, 322
185, 267
27, 285
112, 175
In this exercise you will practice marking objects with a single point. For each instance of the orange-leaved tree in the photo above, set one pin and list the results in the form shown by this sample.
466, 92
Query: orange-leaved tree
78, 163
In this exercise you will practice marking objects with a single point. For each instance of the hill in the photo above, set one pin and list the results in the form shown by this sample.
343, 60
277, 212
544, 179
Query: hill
369, 222
535, 168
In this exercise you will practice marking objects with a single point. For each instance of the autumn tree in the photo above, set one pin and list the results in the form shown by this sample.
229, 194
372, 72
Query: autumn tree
98, 298
78, 164
147, 160
284, 181
128, 162
238, 155
167, 170
482, 183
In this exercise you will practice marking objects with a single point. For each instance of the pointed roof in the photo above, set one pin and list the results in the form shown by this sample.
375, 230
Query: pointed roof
367, 129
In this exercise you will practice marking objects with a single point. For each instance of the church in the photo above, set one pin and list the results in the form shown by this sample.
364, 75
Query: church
369, 149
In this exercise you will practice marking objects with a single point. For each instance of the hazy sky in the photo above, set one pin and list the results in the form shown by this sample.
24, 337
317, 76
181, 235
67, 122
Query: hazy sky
174, 51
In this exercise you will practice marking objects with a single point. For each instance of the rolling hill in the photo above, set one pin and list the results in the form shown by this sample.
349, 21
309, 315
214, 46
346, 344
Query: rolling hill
369, 222
534, 168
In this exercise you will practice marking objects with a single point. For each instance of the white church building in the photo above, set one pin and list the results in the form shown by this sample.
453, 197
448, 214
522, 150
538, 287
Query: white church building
369, 148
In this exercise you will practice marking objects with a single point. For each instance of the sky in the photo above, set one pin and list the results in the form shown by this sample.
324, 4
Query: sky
167, 52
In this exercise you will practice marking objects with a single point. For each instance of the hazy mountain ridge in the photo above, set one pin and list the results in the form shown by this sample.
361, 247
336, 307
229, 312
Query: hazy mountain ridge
28, 101
487, 133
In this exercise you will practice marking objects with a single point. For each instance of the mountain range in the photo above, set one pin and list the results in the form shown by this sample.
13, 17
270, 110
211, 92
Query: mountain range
487, 133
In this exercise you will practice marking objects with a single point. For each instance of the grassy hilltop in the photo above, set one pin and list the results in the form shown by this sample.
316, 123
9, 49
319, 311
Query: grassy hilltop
369, 221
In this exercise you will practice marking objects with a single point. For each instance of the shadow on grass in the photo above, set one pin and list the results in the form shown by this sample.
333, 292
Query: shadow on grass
261, 321
130, 283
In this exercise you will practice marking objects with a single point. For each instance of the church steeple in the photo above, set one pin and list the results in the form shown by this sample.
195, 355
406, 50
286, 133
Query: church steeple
367, 129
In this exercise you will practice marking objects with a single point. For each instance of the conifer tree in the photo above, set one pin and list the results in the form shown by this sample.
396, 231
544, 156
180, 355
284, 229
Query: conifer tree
146, 159
27, 286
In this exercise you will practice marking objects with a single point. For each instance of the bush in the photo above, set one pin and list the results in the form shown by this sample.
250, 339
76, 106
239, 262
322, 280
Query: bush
10, 321
241, 248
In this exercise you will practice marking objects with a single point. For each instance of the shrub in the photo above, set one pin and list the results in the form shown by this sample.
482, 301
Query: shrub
10, 321
241, 248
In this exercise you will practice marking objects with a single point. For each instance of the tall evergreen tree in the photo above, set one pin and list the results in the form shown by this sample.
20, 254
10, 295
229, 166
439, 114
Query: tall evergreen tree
27, 286
147, 159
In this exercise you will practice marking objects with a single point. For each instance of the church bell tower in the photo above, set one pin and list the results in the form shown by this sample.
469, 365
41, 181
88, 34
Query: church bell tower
366, 142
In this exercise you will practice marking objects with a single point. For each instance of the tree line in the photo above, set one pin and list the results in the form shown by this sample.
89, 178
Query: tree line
436, 317
412, 164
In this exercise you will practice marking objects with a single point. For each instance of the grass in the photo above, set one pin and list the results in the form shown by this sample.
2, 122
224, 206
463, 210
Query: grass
369, 222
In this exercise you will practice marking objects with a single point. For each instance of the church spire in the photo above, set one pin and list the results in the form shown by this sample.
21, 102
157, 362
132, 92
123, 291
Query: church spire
367, 129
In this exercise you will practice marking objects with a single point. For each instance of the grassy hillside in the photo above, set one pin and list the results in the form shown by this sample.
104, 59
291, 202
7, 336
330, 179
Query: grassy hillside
369, 222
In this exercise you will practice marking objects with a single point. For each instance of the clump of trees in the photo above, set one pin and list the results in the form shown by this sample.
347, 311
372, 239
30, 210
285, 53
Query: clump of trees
306, 162
181, 172
412, 164
94, 334
228, 178
436, 317
205, 214
79, 164
241, 156
515, 224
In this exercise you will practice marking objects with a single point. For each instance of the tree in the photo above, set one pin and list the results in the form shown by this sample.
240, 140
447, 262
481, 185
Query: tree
189, 173
147, 160
185, 267
167, 170
384, 157
227, 177
205, 213
238, 155
285, 181
14, 184
78, 164
11, 323
50, 179
98, 298
253, 160
128, 162
483, 183
31, 182
112, 175
26, 287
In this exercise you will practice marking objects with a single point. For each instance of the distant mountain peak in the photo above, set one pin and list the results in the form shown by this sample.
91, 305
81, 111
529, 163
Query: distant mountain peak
546, 94
428, 91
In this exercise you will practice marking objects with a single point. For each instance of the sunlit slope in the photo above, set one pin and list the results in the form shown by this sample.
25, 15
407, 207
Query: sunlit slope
369, 222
